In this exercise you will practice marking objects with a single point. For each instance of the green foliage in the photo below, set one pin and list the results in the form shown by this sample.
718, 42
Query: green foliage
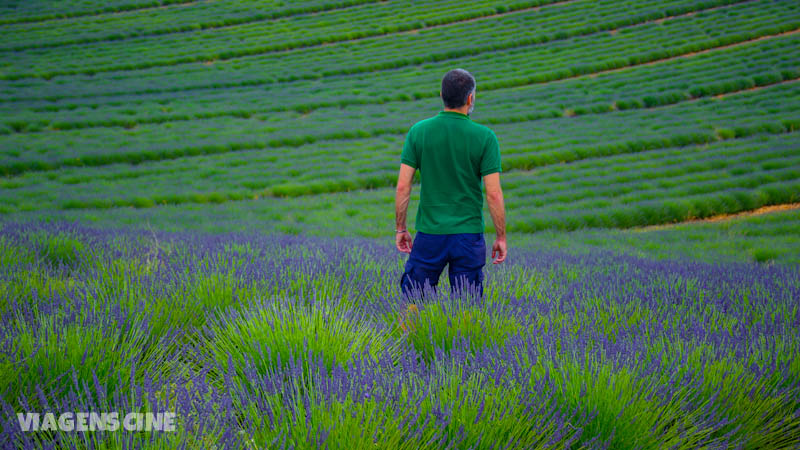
60, 250
272, 333
107, 349
765, 254
433, 325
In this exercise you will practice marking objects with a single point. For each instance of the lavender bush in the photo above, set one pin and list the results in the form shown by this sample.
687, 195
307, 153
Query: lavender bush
259, 341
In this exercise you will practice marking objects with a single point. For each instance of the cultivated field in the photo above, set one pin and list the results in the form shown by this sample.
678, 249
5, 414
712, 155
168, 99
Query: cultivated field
196, 209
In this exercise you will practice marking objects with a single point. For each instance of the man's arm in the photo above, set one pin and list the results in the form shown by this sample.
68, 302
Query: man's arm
494, 196
404, 180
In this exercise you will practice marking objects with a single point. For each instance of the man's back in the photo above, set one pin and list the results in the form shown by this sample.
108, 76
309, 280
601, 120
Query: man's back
452, 153
456, 158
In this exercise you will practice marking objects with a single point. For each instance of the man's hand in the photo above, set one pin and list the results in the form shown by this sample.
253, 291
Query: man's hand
499, 250
404, 242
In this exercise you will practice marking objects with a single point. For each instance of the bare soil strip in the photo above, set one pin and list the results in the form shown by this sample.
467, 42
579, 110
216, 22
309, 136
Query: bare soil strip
724, 217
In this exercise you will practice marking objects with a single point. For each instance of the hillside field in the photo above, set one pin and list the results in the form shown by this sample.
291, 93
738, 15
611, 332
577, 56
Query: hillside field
197, 209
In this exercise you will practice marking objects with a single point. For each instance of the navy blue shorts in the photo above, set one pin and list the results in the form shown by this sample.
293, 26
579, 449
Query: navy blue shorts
464, 252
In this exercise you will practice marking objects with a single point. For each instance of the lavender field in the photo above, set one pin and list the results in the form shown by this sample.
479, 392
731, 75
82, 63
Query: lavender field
261, 341
197, 208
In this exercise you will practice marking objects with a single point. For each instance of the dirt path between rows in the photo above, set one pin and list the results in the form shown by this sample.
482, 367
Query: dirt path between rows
723, 217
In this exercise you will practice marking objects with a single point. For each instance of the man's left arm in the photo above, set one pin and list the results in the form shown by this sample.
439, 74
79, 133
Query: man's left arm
403, 195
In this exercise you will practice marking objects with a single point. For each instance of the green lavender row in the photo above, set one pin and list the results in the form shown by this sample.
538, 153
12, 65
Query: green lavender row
359, 90
765, 238
30, 12
760, 238
260, 37
736, 156
254, 173
620, 191
33, 90
367, 213
731, 178
670, 81
186, 18
648, 184
355, 213
706, 120
742, 195
537, 143
554, 22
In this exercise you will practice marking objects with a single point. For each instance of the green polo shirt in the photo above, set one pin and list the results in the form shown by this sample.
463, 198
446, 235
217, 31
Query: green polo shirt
452, 153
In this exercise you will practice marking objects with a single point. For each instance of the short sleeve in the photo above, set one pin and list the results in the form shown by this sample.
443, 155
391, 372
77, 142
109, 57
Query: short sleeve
409, 155
490, 160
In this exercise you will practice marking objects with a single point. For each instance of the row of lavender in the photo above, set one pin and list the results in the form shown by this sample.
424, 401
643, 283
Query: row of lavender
294, 342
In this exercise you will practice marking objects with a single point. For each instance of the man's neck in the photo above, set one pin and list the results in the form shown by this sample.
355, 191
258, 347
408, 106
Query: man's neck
463, 110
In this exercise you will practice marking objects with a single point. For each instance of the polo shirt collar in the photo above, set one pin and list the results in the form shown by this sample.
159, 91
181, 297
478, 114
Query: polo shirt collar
454, 114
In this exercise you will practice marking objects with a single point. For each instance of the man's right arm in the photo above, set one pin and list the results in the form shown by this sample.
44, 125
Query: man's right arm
494, 196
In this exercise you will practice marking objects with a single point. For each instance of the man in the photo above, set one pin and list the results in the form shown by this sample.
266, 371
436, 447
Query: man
455, 157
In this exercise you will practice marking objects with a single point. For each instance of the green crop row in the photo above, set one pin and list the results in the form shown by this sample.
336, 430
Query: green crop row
65, 10
630, 198
652, 165
533, 144
283, 190
638, 184
544, 142
527, 162
317, 170
495, 111
307, 170
761, 238
667, 209
199, 16
759, 164
649, 86
252, 95
371, 213
564, 59
381, 53
288, 179
213, 44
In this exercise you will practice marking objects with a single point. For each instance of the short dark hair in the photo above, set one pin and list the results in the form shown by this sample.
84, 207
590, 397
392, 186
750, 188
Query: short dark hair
457, 84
